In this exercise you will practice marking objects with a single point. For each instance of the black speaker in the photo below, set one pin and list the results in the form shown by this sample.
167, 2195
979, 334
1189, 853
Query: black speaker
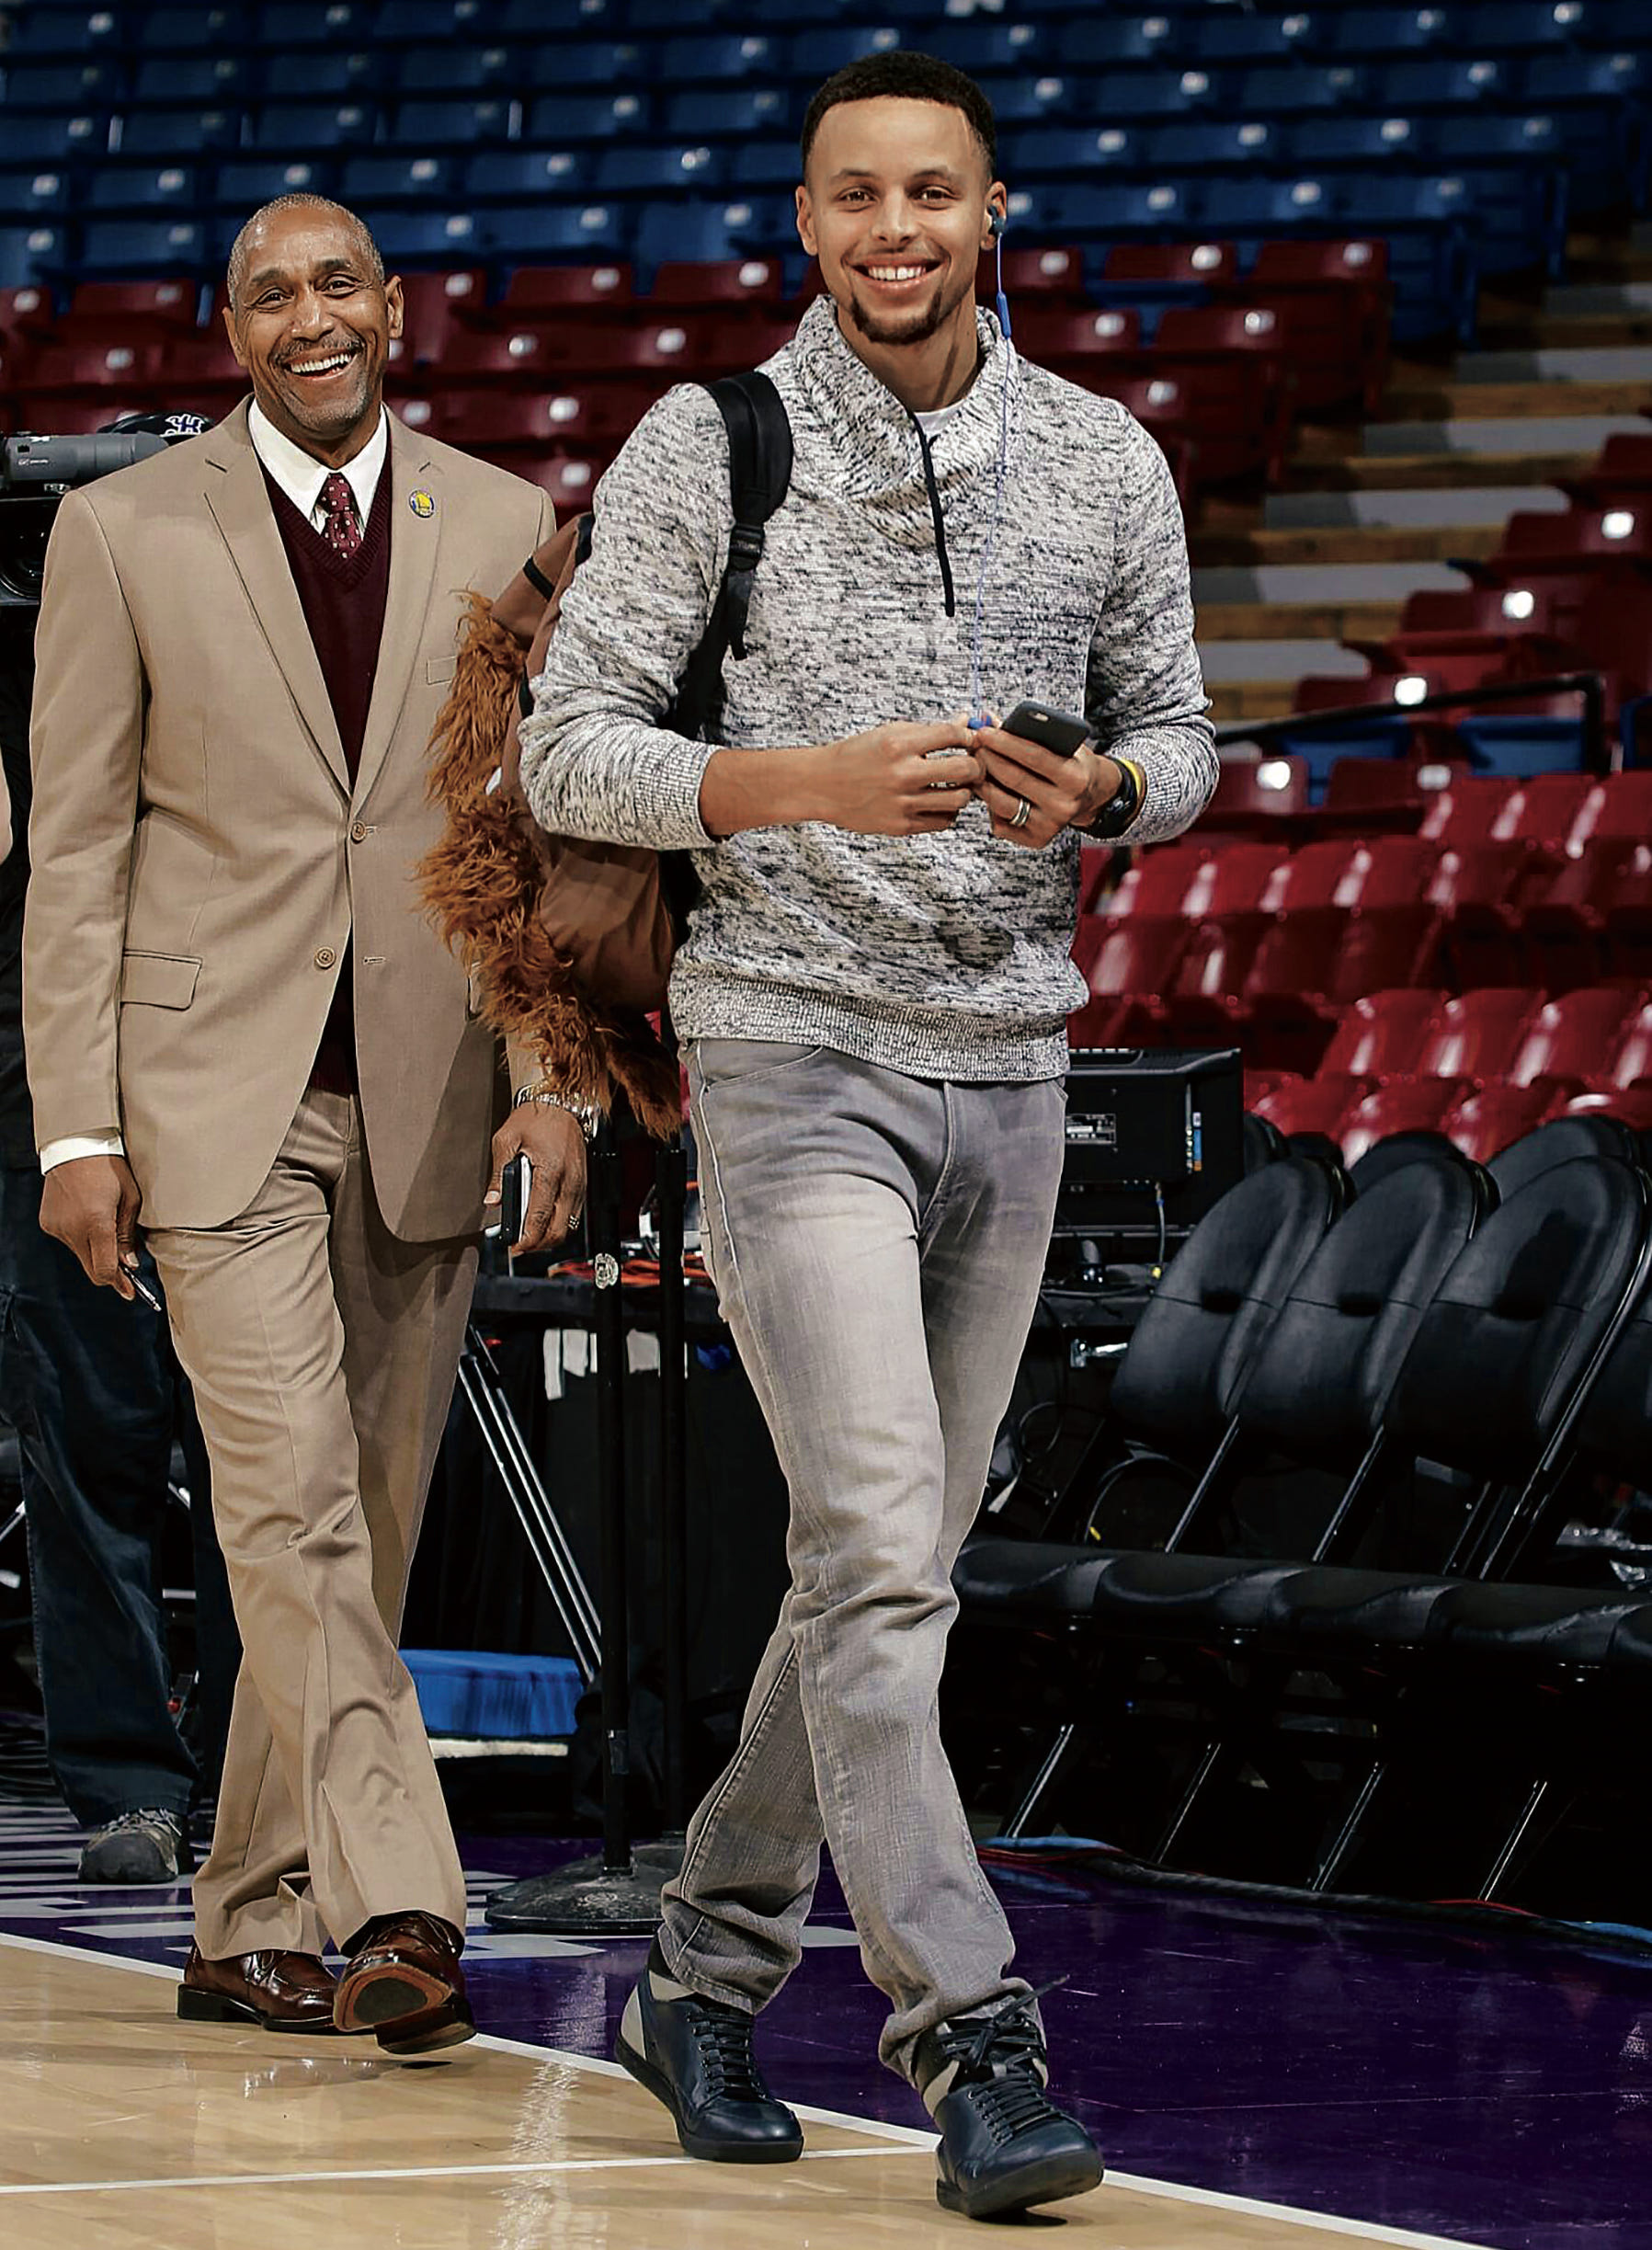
1154, 1137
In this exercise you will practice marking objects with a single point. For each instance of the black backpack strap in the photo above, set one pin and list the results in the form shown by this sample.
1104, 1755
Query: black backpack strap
759, 472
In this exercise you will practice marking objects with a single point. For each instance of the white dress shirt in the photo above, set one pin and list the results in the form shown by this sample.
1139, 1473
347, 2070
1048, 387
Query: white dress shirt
301, 476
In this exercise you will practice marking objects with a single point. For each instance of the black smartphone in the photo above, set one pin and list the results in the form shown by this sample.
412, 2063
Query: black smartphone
515, 1185
1055, 730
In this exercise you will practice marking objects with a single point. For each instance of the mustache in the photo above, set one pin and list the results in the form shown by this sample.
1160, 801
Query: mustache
291, 357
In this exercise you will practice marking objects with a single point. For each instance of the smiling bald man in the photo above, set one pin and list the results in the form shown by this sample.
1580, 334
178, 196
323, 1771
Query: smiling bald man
243, 1036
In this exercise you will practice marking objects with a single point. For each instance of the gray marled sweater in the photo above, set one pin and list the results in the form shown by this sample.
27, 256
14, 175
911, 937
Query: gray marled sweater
943, 956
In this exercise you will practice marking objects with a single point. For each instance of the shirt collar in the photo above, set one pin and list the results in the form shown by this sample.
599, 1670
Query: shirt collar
301, 476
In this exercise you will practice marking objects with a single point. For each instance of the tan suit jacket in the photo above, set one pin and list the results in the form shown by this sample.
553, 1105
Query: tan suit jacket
201, 860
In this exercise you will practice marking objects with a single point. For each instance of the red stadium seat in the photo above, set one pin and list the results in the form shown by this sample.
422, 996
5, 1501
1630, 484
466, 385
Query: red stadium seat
1157, 881
1593, 921
1382, 1035
1073, 342
1046, 277
1631, 1061
127, 312
1250, 793
1477, 1036
1483, 1123
1574, 1038
1404, 1106
434, 308
725, 285
1203, 265
1632, 1104
564, 293
1232, 881
1133, 958
591, 419
1312, 1105
1536, 543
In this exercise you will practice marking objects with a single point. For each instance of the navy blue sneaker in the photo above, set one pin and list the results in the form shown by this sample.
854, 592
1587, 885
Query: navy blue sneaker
1004, 2144
695, 2056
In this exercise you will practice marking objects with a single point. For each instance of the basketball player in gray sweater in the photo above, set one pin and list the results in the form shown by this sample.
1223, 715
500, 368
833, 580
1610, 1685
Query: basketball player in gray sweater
872, 994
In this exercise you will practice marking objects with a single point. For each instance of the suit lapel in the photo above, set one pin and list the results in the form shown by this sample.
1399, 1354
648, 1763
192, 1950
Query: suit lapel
416, 530
239, 500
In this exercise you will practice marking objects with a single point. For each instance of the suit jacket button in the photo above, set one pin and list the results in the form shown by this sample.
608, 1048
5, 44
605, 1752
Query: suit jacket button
325, 956
360, 832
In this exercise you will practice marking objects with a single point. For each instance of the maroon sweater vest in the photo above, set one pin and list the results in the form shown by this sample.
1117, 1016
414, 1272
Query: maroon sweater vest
343, 604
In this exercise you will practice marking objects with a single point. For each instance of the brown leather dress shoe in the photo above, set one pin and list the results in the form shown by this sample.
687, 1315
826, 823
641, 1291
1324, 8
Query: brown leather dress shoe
402, 1982
284, 1992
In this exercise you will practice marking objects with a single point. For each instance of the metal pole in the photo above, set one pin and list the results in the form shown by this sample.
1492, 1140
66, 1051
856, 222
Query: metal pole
603, 1219
671, 1174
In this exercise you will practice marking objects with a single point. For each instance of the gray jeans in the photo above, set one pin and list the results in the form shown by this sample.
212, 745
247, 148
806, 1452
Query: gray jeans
877, 1244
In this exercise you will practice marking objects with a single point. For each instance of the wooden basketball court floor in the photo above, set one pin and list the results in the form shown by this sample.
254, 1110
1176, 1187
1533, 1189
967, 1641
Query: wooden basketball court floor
121, 2126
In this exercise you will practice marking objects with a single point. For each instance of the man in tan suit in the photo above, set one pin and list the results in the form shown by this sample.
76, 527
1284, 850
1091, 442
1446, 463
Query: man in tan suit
242, 1034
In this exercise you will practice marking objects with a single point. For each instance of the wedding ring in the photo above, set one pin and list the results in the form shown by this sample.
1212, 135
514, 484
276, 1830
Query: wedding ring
1021, 814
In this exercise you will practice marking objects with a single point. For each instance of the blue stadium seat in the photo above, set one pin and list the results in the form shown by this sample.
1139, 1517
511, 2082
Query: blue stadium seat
464, 70
734, 114
65, 85
1154, 93
558, 118
520, 233
1235, 38
715, 60
1095, 41
816, 54
345, 74
242, 187
533, 20
516, 176
35, 193
1521, 26
424, 237
593, 62
66, 34
1267, 91
30, 254
161, 132
765, 164
1028, 101
449, 124
1549, 79
976, 47
1376, 33
295, 128
1261, 205
668, 15
109, 246
1364, 141
1520, 744
662, 171
382, 181
431, 23
171, 81
1154, 212
315, 23
1054, 150
144, 189
667, 233
1209, 145
188, 30
1444, 82
50, 137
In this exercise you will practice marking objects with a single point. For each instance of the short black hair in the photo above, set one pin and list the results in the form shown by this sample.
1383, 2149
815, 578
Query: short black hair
908, 76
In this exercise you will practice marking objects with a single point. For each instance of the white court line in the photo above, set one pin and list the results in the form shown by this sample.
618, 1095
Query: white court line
1204, 2198
396, 2172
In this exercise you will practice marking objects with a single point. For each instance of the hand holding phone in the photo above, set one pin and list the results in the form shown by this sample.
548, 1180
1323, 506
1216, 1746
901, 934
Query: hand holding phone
515, 1185
1055, 730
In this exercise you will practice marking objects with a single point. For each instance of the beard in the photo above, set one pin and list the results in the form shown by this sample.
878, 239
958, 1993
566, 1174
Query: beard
915, 326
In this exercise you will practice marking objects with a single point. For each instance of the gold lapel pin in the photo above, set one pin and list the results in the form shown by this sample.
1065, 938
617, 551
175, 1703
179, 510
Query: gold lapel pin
421, 503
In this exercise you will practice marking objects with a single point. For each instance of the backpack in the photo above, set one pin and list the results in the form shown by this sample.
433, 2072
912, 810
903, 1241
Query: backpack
569, 944
616, 911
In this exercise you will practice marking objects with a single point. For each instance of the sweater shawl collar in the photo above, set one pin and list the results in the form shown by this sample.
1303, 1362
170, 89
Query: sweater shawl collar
872, 451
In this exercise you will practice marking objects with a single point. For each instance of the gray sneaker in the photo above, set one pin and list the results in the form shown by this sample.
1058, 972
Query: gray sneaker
148, 1845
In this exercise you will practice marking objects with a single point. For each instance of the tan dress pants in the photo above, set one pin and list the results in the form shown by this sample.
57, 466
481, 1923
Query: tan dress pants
322, 1352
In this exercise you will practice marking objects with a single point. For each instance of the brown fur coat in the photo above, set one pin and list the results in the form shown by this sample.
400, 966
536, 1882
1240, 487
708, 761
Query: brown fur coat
481, 882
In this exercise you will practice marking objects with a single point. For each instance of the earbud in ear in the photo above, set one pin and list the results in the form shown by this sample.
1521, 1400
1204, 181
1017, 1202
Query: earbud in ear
995, 220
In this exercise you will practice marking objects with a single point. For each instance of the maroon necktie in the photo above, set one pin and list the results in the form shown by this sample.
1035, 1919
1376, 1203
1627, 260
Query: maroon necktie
341, 531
